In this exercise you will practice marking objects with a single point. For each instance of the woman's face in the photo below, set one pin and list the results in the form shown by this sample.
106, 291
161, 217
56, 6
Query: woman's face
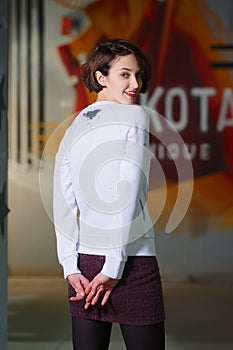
123, 82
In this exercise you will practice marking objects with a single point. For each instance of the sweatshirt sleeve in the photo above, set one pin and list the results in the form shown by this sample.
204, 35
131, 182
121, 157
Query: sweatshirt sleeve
130, 175
65, 211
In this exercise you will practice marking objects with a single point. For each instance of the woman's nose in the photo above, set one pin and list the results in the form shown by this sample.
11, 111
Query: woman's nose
134, 82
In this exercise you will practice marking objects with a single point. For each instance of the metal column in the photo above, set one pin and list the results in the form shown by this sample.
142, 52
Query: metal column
3, 170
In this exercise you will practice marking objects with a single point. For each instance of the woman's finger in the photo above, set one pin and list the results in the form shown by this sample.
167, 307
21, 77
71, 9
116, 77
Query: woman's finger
94, 295
91, 290
88, 289
90, 295
77, 297
80, 293
78, 282
84, 282
86, 306
105, 298
97, 296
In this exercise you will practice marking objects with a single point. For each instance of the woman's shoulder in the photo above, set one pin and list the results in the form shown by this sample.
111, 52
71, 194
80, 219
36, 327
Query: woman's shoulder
135, 109
136, 114
112, 112
113, 105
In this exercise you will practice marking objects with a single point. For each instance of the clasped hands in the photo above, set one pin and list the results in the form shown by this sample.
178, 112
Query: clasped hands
101, 285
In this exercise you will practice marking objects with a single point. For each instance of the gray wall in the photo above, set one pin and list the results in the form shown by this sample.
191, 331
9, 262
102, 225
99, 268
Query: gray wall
3, 172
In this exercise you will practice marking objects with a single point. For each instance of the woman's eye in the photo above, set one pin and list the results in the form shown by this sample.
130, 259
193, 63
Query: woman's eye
125, 75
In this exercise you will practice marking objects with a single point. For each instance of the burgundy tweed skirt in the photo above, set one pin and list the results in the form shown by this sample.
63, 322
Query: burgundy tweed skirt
136, 300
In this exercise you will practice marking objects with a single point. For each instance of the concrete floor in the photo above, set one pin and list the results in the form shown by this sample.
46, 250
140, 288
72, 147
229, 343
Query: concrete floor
199, 316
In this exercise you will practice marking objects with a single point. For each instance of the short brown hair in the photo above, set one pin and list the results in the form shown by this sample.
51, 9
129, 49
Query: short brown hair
101, 58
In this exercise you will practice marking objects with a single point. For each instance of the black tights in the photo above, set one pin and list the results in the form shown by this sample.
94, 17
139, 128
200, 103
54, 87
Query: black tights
95, 335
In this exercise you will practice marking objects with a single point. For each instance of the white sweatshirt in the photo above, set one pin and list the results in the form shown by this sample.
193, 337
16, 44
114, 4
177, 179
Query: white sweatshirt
100, 187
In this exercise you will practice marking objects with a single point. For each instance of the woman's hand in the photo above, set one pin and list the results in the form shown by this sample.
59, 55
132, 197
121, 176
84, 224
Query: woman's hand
101, 284
79, 283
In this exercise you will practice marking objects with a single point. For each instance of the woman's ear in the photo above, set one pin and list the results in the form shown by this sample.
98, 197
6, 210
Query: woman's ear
100, 78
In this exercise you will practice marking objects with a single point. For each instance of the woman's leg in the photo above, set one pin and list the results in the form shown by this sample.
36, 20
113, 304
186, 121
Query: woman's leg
150, 337
90, 334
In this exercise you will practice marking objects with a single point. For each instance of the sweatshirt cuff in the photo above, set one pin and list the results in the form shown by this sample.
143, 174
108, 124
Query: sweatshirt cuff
113, 267
70, 266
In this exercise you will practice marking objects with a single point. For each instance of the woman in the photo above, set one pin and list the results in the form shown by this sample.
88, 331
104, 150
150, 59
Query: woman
105, 237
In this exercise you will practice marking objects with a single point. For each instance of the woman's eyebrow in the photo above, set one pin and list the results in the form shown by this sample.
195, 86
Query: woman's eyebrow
128, 69
124, 68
